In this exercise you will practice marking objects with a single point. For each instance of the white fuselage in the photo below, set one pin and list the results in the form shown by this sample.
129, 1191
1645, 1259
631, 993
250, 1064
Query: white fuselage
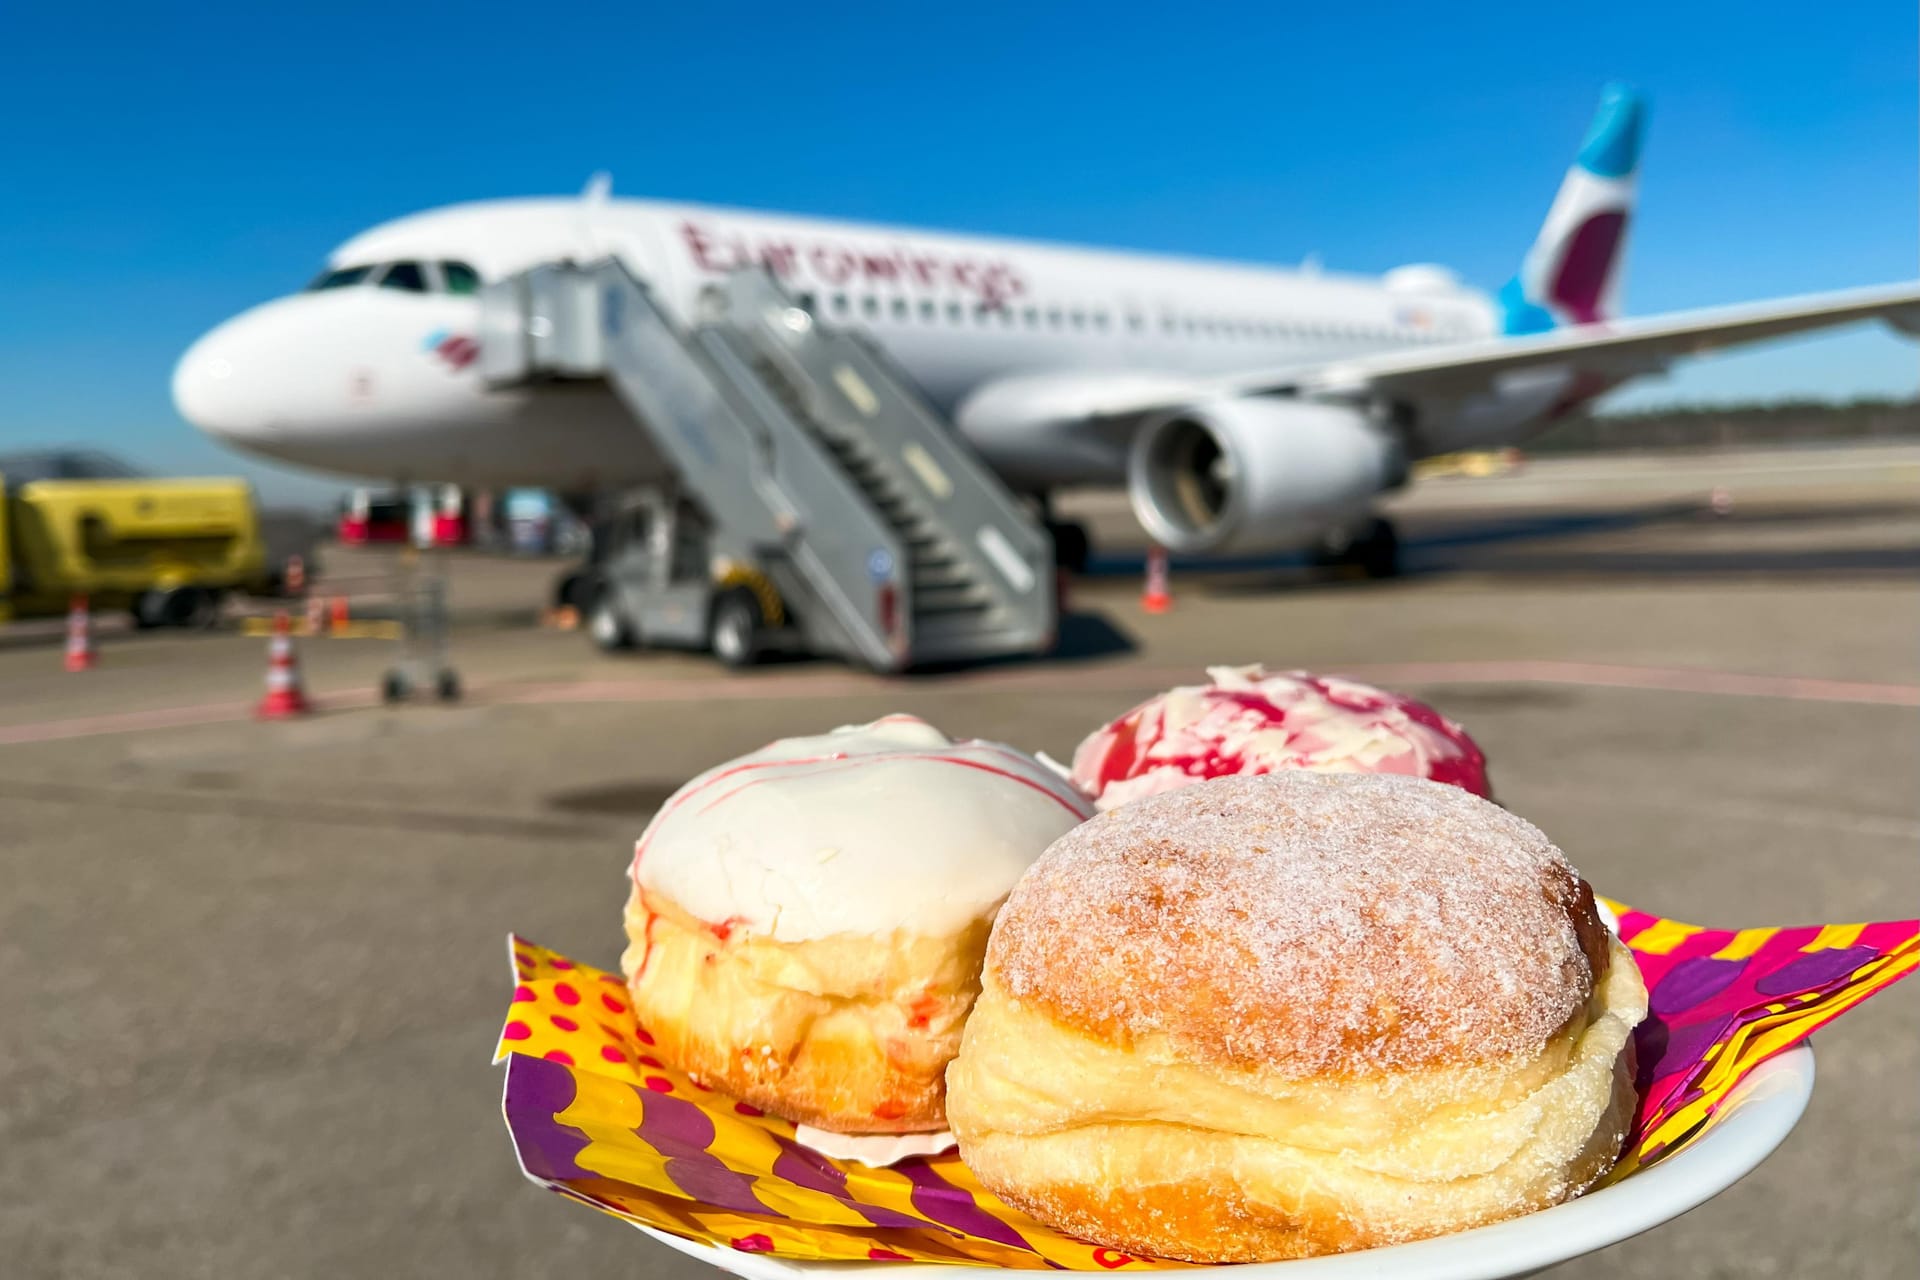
377, 379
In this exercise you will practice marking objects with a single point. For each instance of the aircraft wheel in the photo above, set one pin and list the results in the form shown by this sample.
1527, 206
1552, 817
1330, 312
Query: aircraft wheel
1072, 546
1373, 550
1377, 552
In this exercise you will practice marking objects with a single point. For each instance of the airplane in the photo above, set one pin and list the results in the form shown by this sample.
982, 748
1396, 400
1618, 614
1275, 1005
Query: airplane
1244, 408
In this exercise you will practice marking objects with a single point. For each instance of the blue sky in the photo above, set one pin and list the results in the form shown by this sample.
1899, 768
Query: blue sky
167, 169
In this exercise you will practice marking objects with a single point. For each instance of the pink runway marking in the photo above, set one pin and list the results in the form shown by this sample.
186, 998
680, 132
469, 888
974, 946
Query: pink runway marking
1091, 680
163, 718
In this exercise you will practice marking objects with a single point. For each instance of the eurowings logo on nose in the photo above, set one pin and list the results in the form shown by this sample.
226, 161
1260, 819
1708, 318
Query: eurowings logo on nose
457, 350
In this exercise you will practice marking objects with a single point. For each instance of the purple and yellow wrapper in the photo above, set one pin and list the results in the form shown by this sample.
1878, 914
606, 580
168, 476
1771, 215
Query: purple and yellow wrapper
596, 1116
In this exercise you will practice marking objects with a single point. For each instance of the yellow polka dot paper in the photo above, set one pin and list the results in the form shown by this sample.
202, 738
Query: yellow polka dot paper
598, 1116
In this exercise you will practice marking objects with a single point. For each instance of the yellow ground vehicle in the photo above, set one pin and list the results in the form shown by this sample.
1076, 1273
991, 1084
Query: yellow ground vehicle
167, 550
1478, 464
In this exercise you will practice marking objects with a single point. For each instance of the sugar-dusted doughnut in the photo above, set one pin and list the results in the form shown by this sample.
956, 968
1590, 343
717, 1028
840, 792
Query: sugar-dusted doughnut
1280, 1015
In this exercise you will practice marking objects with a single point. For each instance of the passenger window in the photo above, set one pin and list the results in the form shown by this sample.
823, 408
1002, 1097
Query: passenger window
900, 311
927, 310
1053, 317
460, 277
1079, 319
955, 313
804, 301
1032, 316
1100, 321
406, 277
839, 304
338, 278
870, 305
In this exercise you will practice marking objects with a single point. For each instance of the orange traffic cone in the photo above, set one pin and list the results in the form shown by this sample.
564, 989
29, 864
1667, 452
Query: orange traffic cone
1156, 598
80, 655
339, 614
284, 696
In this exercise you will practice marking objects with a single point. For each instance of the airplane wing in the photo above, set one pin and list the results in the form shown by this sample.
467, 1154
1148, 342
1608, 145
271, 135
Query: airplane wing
1619, 347
1093, 413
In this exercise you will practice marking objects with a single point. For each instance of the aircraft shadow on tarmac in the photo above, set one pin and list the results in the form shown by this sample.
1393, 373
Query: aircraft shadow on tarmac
1082, 635
1537, 543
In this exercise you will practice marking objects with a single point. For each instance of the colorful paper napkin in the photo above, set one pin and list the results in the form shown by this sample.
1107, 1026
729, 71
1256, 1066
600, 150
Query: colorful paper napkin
597, 1116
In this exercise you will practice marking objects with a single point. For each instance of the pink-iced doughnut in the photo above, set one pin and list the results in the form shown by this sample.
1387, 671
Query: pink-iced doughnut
1246, 720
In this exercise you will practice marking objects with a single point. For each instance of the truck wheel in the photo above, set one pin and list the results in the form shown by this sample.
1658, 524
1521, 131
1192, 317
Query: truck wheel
194, 607
149, 610
201, 609
606, 628
394, 689
734, 631
448, 687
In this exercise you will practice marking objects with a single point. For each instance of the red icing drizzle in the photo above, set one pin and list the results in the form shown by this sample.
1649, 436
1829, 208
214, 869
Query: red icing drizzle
1077, 806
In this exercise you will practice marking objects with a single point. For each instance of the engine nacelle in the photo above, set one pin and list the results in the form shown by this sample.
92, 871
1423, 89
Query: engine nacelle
1257, 474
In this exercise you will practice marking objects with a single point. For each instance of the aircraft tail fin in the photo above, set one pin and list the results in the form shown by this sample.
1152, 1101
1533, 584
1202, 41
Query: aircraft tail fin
1573, 272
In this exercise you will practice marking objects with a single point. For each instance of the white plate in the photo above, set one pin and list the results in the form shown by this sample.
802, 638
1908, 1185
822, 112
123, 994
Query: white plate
1752, 1122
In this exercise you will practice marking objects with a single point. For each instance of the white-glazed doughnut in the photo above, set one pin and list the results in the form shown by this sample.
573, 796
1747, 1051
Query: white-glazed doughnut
807, 922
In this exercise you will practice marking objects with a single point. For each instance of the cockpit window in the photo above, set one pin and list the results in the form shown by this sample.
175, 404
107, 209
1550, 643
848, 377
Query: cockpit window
406, 276
338, 278
460, 277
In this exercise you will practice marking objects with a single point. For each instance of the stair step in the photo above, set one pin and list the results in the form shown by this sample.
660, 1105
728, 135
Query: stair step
950, 599
936, 577
950, 635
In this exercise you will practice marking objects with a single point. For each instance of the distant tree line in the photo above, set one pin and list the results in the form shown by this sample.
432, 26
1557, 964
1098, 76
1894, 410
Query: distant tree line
1734, 426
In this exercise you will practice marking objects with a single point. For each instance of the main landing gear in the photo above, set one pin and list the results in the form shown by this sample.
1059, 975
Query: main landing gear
1072, 547
1371, 548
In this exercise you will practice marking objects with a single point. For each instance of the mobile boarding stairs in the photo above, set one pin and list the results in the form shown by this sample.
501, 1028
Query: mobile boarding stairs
807, 460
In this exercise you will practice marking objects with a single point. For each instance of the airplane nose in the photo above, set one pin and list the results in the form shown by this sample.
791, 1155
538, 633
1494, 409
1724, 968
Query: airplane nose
213, 383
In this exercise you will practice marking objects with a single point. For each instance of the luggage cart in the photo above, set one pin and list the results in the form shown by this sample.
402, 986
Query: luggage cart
420, 664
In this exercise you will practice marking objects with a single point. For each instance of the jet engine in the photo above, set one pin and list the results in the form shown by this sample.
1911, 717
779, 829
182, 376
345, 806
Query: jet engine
1257, 474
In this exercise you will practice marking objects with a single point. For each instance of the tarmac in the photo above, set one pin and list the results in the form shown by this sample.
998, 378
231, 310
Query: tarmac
254, 971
